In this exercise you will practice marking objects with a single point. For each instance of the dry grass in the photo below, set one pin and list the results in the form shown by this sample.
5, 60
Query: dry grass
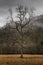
16, 60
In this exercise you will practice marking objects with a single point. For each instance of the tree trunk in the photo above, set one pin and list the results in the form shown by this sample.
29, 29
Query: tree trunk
21, 54
21, 40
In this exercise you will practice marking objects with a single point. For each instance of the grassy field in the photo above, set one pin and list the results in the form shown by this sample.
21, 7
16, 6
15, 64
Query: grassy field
16, 60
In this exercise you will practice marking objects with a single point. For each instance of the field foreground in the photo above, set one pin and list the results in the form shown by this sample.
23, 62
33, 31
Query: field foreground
16, 60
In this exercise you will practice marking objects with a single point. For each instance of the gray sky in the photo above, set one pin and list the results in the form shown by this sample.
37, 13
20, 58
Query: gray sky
5, 4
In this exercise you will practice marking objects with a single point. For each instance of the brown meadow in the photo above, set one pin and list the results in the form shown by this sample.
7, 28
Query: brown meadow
16, 60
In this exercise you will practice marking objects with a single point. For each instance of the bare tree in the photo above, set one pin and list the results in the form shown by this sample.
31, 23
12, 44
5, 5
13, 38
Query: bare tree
22, 11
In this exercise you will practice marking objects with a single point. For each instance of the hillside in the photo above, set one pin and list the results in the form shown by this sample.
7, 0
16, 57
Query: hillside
10, 39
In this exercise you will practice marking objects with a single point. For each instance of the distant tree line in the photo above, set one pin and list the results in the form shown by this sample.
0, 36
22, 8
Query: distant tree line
9, 42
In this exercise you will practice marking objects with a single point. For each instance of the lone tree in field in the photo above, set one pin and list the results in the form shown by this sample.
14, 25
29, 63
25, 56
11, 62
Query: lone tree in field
22, 11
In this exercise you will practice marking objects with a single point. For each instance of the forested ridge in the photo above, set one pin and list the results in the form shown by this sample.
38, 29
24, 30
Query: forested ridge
10, 39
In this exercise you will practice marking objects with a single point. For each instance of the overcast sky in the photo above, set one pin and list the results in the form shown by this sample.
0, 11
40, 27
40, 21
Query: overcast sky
5, 4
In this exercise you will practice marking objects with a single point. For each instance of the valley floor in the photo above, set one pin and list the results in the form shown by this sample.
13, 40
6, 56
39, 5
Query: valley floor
16, 60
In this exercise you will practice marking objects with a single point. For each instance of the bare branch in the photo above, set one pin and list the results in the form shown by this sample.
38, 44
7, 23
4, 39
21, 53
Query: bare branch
26, 23
22, 11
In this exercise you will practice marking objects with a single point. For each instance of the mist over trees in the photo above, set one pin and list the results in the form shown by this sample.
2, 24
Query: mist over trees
20, 37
